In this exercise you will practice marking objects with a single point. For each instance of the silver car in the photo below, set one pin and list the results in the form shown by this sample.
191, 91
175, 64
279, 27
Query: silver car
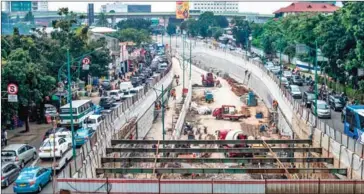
295, 91
20, 154
9, 173
323, 110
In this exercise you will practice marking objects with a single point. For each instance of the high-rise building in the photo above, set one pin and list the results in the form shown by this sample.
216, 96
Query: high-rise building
216, 7
90, 14
25, 6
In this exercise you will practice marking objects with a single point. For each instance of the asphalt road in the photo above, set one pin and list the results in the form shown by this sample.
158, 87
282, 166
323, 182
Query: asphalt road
222, 64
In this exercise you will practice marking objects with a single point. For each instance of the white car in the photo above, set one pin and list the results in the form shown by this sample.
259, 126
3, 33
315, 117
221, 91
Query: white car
60, 147
287, 74
116, 94
92, 121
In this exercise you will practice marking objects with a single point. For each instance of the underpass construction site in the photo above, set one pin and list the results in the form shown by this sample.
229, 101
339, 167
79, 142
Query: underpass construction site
230, 141
245, 146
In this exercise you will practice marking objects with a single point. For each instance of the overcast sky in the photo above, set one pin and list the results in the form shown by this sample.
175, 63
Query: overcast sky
258, 7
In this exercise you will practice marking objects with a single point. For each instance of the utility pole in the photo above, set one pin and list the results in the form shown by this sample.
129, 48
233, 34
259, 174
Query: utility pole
316, 80
71, 109
183, 60
54, 156
280, 64
163, 133
190, 58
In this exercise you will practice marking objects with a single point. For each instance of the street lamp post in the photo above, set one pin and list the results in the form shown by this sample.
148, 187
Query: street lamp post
316, 79
71, 109
163, 132
183, 60
190, 58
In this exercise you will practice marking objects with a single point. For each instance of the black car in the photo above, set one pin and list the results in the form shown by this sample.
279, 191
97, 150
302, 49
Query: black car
336, 102
106, 85
143, 78
296, 80
308, 98
106, 102
135, 81
50, 131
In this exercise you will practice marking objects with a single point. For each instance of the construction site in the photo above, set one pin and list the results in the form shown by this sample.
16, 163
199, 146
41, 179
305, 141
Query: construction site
228, 133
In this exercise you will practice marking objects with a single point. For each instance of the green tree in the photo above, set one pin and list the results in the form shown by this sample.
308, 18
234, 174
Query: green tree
102, 20
131, 34
33, 82
221, 21
136, 23
29, 17
171, 28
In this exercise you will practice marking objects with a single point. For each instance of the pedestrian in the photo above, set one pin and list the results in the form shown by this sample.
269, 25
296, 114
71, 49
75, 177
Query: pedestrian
5, 137
100, 91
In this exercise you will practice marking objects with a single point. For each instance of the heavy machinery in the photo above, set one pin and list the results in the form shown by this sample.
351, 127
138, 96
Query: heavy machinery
208, 80
227, 111
209, 97
236, 134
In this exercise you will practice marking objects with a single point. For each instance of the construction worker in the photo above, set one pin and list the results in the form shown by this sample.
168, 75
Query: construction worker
275, 104
173, 94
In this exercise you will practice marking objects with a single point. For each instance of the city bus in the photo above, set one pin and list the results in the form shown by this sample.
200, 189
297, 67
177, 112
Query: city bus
354, 121
81, 110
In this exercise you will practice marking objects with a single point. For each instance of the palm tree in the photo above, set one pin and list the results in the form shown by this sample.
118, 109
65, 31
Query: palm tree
102, 20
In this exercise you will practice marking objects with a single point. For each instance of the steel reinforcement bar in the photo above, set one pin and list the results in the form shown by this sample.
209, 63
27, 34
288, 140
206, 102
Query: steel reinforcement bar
341, 171
215, 160
214, 150
219, 142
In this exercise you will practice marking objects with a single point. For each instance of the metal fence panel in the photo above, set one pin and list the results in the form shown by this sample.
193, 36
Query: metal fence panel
358, 148
351, 144
338, 136
185, 186
291, 186
233, 186
344, 140
332, 133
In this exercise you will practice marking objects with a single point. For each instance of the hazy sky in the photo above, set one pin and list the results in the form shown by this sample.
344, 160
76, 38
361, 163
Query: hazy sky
258, 7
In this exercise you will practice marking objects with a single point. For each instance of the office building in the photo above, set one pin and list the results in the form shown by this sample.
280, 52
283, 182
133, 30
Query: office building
216, 7
26, 6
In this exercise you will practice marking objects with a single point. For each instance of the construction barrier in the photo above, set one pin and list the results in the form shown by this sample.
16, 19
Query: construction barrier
195, 186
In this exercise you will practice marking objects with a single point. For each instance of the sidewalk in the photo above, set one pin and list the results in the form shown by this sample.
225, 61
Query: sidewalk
33, 137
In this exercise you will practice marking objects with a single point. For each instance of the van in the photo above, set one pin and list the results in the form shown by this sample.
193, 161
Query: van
125, 86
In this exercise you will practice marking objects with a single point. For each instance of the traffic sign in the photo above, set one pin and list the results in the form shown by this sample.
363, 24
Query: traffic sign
86, 61
12, 89
85, 67
12, 98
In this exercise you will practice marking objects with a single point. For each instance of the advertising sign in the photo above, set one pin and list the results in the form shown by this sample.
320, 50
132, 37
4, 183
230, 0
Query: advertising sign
182, 9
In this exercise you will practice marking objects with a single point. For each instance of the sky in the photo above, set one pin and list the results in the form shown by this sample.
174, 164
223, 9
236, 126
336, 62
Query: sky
255, 7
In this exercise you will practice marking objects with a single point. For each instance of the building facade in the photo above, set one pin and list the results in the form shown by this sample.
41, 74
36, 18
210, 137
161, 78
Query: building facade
26, 6
306, 7
114, 7
216, 7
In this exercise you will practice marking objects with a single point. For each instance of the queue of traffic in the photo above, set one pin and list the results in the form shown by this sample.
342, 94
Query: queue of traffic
86, 117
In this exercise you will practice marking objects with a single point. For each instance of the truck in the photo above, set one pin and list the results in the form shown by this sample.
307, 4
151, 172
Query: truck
60, 162
227, 111
230, 134
208, 80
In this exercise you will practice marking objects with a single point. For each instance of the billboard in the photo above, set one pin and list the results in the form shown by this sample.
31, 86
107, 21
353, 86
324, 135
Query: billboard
182, 9
20, 6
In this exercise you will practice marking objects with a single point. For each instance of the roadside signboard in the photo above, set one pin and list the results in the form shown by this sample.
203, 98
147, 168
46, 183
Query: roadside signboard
85, 63
12, 98
12, 89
